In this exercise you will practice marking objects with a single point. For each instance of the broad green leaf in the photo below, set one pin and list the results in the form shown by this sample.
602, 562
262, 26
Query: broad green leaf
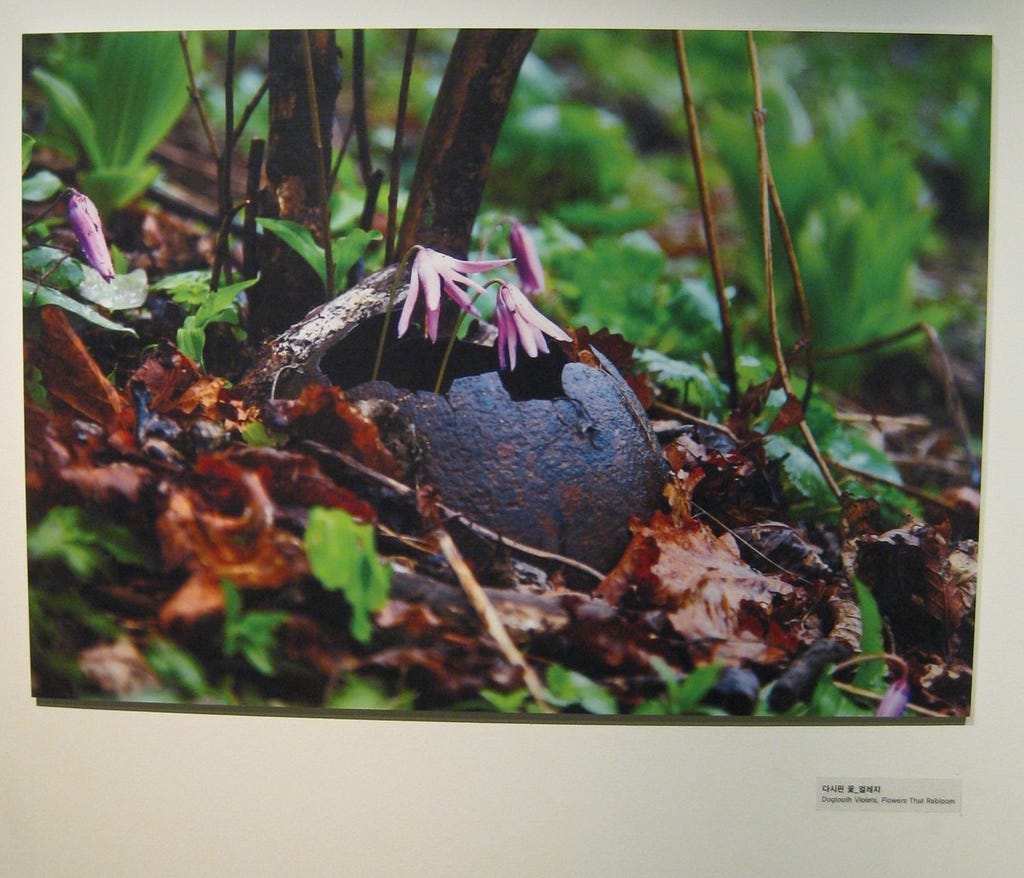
151, 93
342, 556
300, 239
56, 267
66, 103
345, 251
111, 188
870, 675
36, 295
41, 186
122, 292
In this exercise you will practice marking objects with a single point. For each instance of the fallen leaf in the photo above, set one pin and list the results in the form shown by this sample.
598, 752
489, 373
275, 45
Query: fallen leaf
117, 668
719, 604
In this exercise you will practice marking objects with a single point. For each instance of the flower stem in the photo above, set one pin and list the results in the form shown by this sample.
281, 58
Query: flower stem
387, 311
451, 343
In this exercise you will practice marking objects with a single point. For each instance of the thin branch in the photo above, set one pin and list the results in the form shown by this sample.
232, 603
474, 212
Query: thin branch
220, 262
489, 616
252, 187
325, 207
764, 174
193, 91
873, 344
359, 104
707, 213
798, 285
396, 149
250, 108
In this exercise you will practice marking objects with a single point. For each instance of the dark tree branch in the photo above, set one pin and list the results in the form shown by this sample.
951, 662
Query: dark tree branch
448, 185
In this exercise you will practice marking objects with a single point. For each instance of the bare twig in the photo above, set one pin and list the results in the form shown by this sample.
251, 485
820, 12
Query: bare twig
252, 187
220, 261
250, 108
764, 175
707, 213
798, 285
325, 207
193, 91
954, 404
396, 149
359, 104
489, 616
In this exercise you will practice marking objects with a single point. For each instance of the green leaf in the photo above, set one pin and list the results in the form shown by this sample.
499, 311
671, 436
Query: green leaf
41, 186
191, 340
870, 674
565, 688
85, 545
222, 306
60, 270
66, 103
27, 143
176, 668
357, 693
342, 556
132, 117
347, 251
506, 702
683, 694
111, 188
257, 435
300, 239
251, 634
36, 295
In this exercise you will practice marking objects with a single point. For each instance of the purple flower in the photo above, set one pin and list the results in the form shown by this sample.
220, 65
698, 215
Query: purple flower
432, 270
531, 272
85, 223
895, 700
519, 323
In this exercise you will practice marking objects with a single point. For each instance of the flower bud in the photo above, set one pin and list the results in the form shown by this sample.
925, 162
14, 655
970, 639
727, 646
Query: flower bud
531, 272
85, 223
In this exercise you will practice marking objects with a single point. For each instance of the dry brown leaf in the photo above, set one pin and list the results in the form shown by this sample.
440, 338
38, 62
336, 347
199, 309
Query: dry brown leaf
117, 668
722, 606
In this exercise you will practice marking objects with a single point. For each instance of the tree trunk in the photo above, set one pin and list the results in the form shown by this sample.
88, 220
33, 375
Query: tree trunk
289, 287
464, 125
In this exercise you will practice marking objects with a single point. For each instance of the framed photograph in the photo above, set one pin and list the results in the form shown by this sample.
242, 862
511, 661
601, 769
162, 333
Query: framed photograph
474, 443
522, 371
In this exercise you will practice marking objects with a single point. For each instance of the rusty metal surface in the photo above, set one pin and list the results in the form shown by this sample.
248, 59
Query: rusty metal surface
563, 474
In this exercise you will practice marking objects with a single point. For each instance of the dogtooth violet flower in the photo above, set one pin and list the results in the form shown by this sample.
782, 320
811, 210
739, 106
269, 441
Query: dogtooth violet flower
895, 700
85, 223
531, 272
432, 271
520, 323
